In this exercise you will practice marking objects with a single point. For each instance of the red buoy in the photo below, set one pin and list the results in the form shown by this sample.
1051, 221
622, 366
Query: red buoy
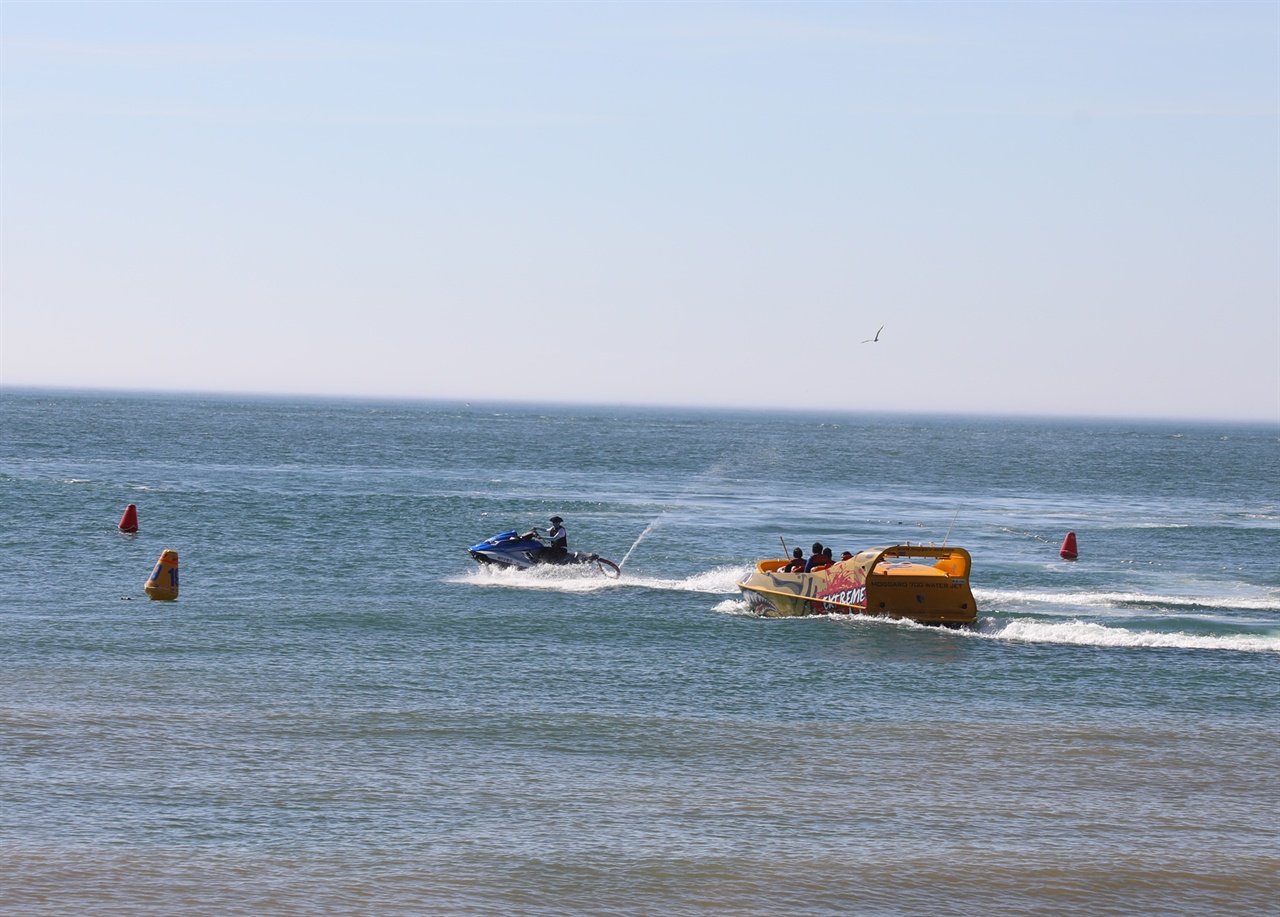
129, 521
1068, 551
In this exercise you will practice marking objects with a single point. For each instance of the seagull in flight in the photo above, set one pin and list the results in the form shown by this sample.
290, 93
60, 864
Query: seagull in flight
874, 339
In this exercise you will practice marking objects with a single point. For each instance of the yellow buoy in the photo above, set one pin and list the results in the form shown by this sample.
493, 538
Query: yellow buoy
162, 585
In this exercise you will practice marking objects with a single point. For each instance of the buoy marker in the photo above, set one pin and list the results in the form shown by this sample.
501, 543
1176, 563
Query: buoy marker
1068, 551
129, 521
162, 585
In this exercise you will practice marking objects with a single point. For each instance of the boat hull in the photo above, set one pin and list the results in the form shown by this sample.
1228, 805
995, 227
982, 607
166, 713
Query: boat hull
924, 584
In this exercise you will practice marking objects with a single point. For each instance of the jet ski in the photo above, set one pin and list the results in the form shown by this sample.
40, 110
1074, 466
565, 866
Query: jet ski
522, 551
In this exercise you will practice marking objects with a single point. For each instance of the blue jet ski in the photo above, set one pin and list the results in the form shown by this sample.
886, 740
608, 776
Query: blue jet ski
512, 549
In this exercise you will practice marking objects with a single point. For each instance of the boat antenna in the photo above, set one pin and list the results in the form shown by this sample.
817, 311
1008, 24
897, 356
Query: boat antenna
950, 527
785, 552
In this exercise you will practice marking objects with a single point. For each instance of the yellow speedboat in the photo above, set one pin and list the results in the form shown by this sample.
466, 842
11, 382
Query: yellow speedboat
925, 584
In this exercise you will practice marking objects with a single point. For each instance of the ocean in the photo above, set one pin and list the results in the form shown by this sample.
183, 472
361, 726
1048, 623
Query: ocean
343, 714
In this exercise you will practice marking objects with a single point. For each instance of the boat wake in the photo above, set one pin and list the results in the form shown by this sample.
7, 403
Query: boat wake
716, 581
1064, 632
1119, 601
546, 578
1006, 624
1090, 633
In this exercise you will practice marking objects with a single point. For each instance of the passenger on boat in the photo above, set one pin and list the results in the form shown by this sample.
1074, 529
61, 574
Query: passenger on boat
845, 555
817, 560
796, 564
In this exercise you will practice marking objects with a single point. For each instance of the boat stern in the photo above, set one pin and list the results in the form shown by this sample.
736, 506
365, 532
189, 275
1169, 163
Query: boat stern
923, 583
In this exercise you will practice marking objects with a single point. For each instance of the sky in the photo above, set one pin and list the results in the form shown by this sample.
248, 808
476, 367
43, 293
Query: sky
1052, 209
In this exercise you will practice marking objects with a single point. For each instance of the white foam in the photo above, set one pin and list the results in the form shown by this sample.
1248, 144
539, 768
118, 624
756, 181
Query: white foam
1074, 632
717, 581
1263, 602
545, 578
1088, 633
735, 607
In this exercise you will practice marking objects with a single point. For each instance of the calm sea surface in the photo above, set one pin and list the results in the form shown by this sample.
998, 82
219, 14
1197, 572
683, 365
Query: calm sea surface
342, 714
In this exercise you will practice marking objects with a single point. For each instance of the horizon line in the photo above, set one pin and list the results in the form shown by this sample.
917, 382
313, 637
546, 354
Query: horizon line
228, 395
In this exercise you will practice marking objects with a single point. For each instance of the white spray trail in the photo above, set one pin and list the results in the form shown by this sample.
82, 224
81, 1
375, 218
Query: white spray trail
714, 473
647, 529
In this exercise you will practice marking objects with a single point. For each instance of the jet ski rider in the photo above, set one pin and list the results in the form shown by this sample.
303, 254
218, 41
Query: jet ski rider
558, 551
559, 536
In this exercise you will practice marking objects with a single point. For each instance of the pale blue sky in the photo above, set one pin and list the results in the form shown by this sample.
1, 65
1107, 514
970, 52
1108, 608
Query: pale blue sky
1052, 208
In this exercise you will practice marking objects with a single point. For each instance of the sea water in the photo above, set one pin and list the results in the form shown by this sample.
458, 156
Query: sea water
343, 714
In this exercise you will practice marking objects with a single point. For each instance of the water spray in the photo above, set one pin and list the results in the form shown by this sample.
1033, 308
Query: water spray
647, 529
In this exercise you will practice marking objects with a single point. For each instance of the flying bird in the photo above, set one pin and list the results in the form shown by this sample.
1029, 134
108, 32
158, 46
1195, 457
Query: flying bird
874, 339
